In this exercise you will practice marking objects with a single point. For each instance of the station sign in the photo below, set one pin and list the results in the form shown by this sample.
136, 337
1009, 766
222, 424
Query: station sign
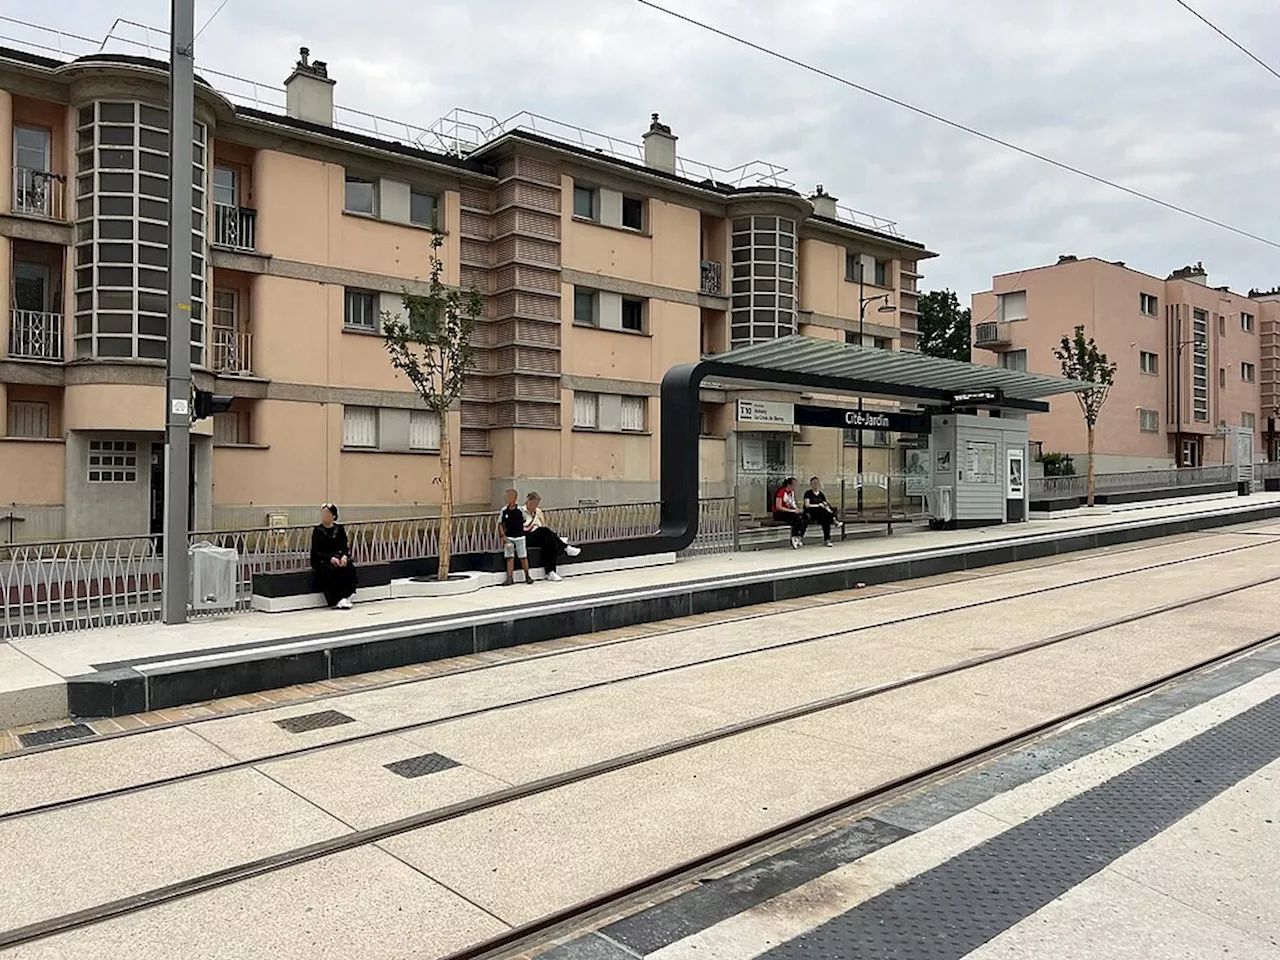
978, 398
807, 416
771, 412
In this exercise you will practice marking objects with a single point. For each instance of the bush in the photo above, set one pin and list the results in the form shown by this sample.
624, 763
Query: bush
1058, 465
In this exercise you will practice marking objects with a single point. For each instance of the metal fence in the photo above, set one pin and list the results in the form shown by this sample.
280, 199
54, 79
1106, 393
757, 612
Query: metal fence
75, 585
1053, 488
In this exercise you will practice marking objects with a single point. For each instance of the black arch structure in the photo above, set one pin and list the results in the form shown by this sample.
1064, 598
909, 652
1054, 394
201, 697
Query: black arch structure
807, 363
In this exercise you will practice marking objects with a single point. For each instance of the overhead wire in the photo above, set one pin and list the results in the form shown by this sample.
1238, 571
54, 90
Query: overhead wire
957, 125
1227, 37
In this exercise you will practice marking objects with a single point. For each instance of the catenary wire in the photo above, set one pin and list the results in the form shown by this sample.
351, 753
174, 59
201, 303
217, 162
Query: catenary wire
1227, 37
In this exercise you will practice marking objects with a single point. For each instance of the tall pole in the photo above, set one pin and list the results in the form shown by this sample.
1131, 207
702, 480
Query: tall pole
862, 316
177, 450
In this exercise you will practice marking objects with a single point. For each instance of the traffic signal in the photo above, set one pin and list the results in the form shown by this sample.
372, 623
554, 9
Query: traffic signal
206, 404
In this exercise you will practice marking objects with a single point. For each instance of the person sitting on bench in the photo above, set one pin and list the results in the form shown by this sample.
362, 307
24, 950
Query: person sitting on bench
818, 510
331, 560
544, 538
786, 511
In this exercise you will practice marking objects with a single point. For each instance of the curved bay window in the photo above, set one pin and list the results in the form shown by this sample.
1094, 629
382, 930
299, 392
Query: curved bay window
122, 227
764, 280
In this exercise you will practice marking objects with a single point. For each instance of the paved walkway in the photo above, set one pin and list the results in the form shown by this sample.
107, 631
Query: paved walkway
33, 672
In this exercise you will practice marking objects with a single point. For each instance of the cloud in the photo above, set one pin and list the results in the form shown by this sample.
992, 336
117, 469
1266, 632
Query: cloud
1139, 92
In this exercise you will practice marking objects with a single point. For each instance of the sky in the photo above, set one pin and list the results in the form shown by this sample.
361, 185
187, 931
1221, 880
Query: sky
1136, 91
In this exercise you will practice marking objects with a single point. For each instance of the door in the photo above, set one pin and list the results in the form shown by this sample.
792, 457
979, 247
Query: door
31, 168
226, 327
31, 287
157, 492
226, 202
1190, 452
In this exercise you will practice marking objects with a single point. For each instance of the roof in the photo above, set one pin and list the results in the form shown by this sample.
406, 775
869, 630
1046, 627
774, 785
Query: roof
854, 369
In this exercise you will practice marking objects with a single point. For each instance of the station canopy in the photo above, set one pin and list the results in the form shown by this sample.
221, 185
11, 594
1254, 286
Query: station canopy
869, 371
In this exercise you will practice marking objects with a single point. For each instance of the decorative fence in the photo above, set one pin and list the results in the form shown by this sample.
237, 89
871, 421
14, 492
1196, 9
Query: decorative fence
1053, 488
74, 585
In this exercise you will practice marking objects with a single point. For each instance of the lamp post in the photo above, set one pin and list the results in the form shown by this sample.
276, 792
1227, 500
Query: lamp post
886, 307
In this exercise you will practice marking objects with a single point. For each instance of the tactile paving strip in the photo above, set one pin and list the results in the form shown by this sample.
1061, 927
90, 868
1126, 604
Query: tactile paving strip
422, 766
314, 721
40, 737
949, 911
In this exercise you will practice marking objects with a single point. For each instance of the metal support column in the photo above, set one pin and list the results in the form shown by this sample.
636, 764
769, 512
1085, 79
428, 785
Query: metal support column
177, 450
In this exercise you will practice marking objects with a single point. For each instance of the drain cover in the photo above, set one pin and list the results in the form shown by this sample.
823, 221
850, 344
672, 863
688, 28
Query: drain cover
40, 737
314, 721
423, 765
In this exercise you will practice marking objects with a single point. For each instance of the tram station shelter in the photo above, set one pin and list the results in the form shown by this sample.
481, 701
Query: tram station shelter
804, 406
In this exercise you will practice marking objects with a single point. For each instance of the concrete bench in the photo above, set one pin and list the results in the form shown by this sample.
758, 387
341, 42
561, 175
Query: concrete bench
296, 590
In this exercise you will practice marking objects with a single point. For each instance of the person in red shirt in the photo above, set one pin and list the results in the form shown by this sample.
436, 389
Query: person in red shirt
786, 511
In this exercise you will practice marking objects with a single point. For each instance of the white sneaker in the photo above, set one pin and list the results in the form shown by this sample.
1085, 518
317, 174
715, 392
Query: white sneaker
828, 543
571, 550
795, 543
554, 577
344, 603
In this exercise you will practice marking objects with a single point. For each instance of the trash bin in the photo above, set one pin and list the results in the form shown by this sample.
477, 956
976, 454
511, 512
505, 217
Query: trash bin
1244, 487
213, 576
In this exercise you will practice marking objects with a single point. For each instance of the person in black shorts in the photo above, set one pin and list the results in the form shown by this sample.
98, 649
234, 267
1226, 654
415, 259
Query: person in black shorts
818, 510
514, 543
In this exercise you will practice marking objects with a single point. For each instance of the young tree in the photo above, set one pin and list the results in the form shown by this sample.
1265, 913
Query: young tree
1082, 360
944, 327
432, 347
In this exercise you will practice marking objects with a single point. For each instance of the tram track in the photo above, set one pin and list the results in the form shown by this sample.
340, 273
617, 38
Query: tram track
359, 838
370, 735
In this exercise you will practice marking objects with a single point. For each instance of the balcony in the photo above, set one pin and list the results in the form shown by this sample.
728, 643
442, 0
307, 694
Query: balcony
712, 278
35, 336
992, 336
38, 193
234, 226
232, 351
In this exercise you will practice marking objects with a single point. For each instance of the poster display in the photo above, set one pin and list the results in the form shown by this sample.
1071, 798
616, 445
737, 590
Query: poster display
980, 461
1015, 474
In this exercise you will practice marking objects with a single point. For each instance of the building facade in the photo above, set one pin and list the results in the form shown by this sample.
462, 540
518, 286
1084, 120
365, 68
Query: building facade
1194, 362
598, 274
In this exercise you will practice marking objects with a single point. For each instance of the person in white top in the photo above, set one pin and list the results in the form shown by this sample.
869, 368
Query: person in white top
786, 511
541, 535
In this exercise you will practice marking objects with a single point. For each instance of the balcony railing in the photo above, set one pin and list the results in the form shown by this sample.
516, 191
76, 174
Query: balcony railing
234, 226
35, 336
232, 351
712, 278
991, 335
38, 193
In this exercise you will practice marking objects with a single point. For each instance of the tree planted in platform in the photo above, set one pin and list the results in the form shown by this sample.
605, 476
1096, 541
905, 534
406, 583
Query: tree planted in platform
1082, 360
432, 347
944, 327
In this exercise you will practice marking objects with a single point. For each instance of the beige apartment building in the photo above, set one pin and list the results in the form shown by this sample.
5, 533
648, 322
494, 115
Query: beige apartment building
1194, 362
599, 273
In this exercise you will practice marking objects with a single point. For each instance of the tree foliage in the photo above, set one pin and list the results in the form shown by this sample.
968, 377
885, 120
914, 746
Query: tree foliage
431, 346
1082, 360
944, 327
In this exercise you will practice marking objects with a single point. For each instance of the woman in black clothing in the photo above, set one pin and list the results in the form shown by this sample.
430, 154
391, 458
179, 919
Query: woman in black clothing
330, 559
817, 509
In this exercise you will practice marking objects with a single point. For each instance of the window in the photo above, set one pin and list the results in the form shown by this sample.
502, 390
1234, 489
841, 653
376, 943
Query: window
113, 461
633, 414
632, 213
422, 209
424, 430
1013, 306
1222, 326
1246, 372
633, 315
360, 196
231, 427
1200, 366
1148, 362
763, 305
225, 192
584, 203
1222, 378
361, 311
359, 427
882, 343
1149, 421
852, 266
31, 148
1249, 421
1246, 322
1014, 360
883, 270
586, 306
1149, 305
586, 410
28, 419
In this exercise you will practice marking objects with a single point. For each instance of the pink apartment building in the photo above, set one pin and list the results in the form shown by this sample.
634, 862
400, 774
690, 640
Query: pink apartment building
1193, 360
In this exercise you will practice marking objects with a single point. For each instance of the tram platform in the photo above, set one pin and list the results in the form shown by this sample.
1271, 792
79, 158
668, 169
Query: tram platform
134, 669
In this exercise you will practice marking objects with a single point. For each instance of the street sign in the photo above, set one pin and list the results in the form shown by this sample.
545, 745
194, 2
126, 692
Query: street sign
807, 416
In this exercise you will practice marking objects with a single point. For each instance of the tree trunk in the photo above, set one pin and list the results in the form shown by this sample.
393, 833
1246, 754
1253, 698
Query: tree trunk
1089, 430
446, 498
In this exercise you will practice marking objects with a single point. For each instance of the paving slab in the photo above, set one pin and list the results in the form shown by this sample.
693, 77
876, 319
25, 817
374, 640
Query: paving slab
29, 692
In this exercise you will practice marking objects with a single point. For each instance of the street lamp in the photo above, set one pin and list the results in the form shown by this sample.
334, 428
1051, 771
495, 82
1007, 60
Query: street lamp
886, 307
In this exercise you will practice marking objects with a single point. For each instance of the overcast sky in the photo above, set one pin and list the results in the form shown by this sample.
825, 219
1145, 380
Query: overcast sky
1138, 91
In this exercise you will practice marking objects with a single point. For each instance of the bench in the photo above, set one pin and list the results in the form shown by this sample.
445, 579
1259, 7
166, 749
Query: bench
296, 589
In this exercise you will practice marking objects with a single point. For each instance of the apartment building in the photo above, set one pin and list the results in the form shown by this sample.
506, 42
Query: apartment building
599, 272
1194, 362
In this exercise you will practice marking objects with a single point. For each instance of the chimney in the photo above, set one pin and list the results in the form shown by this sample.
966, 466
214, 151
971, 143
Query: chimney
1067, 258
1196, 274
824, 205
660, 147
309, 91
